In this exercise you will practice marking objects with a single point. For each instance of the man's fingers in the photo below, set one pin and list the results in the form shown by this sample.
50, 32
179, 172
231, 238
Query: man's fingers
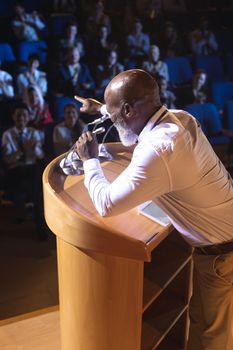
80, 99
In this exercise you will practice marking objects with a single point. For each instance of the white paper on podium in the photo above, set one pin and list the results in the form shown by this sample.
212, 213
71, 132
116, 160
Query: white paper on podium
153, 212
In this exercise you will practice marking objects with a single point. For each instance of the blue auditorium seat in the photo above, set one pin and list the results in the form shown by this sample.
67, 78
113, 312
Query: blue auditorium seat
221, 93
58, 22
229, 115
230, 65
224, 39
6, 53
60, 102
25, 48
180, 70
208, 116
212, 65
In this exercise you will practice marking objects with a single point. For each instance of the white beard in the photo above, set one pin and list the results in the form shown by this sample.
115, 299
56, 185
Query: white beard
127, 136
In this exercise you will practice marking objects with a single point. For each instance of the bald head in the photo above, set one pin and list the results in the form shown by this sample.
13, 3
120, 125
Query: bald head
133, 86
132, 97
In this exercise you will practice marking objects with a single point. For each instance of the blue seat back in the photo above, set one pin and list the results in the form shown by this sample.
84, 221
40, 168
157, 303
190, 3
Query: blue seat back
58, 22
6, 53
230, 65
212, 65
229, 115
180, 70
25, 48
208, 116
221, 93
60, 102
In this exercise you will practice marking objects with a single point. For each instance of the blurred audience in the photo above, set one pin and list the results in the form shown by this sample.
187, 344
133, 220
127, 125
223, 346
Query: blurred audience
21, 150
198, 92
202, 40
32, 76
26, 26
167, 97
39, 112
154, 65
106, 71
68, 131
170, 42
74, 78
138, 42
6, 85
97, 19
71, 39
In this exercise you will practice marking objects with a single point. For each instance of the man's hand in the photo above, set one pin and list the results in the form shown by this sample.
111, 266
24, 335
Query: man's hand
89, 105
87, 146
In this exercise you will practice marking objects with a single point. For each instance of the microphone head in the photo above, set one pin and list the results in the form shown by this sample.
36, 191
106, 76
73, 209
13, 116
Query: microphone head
99, 120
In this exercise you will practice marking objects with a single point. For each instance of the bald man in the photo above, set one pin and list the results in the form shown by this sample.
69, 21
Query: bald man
173, 165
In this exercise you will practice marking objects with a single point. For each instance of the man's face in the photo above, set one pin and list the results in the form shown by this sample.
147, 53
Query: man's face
71, 117
112, 59
34, 64
154, 53
74, 56
127, 136
33, 97
138, 27
20, 118
202, 79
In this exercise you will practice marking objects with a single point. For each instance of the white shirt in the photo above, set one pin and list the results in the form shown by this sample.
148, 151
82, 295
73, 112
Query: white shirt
175, 166
29, 31
6, 84
12, 152
38, 78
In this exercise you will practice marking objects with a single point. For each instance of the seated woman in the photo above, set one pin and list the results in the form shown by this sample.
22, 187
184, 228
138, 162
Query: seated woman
154, 65
167, 97
198, 91
67, 132
39, 114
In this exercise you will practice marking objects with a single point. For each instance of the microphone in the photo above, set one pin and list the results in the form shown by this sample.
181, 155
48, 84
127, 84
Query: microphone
99, 120
103, 153
71, 164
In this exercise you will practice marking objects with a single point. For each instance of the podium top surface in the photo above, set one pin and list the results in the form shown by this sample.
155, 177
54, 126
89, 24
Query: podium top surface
70, 214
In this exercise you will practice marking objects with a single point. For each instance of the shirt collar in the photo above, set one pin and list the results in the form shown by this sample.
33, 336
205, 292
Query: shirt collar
152, 122
17, 131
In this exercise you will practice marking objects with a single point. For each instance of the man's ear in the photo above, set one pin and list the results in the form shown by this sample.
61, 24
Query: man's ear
128, 110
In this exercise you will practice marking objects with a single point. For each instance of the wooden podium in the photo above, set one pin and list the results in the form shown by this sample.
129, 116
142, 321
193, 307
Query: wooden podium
124, 281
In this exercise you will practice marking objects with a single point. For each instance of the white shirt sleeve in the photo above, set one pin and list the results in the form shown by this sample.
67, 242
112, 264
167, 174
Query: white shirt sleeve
145, 178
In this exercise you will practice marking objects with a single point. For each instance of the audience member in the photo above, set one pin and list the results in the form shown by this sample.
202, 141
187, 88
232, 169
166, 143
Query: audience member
74, 77
71, 39
97, 19
26, 26
154, 65
202, 40
138, 43
100, 45
106, 71
64, 5
198, 92
32, 76
68, 131
170, 43
6, 85
167, 97
39, 112
21, 150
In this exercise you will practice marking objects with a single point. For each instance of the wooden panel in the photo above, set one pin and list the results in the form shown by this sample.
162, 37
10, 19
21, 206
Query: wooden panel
162, 270
166, 310
67, 198
32, 333
100, 300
